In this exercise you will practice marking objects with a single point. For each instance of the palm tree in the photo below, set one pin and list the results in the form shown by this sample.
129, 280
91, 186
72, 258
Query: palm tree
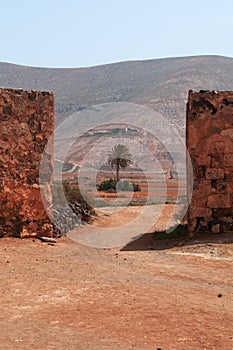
119, 156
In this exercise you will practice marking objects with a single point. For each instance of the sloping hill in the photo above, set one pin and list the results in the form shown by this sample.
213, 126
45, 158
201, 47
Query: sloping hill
161, 84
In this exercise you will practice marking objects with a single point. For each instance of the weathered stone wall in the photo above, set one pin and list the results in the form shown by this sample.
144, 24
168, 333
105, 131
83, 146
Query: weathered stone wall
26, 124
210, 144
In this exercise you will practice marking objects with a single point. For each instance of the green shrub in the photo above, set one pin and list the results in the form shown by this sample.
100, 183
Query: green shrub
107, 185
122, 185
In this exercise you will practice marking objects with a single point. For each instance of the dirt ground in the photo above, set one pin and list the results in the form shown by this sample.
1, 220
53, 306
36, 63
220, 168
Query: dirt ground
148, 295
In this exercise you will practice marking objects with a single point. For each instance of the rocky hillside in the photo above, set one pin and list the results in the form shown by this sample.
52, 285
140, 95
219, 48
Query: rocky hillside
161, 83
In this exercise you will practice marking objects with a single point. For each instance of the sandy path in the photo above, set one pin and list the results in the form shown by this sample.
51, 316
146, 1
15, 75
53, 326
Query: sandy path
118, 226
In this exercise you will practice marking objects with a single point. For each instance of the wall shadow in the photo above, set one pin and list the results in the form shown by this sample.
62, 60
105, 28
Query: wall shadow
148, 242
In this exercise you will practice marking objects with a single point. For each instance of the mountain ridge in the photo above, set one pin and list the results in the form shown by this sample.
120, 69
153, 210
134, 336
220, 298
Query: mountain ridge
161, 84
118, 62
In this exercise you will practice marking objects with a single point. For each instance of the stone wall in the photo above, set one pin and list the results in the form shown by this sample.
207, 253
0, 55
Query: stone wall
210, 144
26, 124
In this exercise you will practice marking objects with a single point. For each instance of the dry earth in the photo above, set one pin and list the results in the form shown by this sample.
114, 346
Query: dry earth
68, 296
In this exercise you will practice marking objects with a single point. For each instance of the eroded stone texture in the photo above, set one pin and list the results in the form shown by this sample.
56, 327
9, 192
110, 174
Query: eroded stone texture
209, 139
26, 124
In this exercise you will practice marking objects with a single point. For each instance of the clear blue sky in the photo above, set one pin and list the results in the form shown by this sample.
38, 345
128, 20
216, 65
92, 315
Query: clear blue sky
79, 33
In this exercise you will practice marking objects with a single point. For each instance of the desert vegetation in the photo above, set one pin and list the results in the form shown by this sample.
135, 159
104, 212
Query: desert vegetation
122, 185
118, 158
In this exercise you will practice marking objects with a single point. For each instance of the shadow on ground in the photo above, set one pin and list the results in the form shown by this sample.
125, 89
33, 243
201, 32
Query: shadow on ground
148, 241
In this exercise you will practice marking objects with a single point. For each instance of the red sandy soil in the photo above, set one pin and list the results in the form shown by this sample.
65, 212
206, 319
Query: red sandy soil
68, 297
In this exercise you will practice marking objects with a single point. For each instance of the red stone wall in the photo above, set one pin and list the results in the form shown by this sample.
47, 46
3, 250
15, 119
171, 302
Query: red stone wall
210, 144
26, 124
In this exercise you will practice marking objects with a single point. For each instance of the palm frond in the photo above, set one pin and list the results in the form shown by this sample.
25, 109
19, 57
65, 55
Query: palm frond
119, 157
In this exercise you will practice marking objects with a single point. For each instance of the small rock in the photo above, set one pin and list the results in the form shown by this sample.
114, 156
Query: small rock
220, 295
216, 228
35, 186
48, 239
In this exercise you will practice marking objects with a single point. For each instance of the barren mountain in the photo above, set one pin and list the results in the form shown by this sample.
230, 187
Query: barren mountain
161, 84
